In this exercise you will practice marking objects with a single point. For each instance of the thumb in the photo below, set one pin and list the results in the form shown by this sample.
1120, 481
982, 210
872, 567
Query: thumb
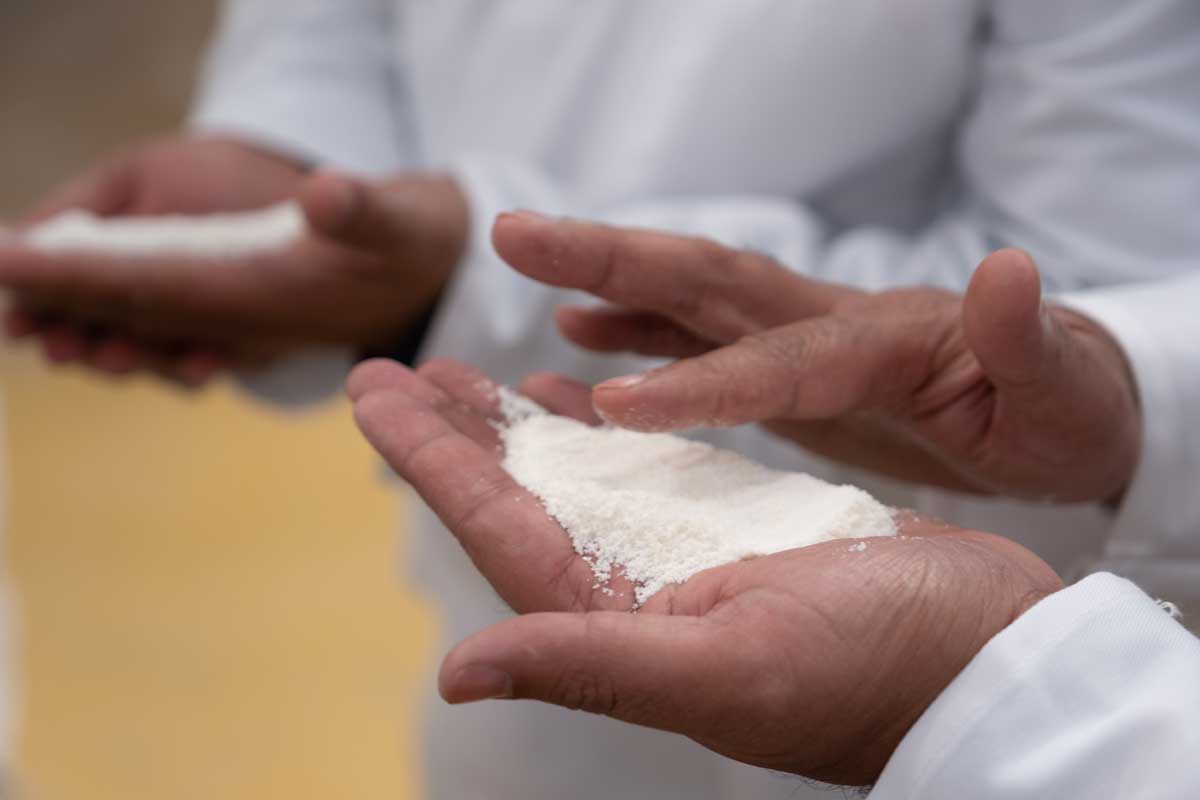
647, 669
1069, 386
1006, 324
355, 213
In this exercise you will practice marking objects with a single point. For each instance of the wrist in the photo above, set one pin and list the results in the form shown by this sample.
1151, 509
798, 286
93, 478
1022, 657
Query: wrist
1112, 360
997, 583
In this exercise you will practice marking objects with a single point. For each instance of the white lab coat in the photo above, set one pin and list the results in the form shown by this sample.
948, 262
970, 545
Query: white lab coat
1091, 694
866, 142
1155, 538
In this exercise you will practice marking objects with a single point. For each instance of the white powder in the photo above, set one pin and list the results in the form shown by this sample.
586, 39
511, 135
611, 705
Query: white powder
662, 508
203, 236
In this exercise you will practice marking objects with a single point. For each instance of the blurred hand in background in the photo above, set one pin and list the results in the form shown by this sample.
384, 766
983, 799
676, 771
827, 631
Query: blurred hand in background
375, 258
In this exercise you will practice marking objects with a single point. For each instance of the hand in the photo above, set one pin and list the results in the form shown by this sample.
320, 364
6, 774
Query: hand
376, 257
815, 661
992, 393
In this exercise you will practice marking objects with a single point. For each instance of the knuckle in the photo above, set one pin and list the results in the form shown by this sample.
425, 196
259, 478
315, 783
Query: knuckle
575, 590
617, 256
692, 286
479, 505
716, 257
727, 391
752, 267
780, 349
438, 367
718, 270
787, 361
584, 690
774, 357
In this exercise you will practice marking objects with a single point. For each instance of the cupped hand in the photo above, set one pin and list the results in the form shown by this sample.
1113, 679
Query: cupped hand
374, 259
994, 392
814, 661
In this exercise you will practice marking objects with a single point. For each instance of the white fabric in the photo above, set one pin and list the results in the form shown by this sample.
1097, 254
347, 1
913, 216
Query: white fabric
1155, 539
867, 142
1093, 693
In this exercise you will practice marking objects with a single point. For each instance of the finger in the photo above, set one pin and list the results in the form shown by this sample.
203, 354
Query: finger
1021, 345
355, 213
466, 385
522, 552
648, 669
477, 407
105, 191
63, 344
175, 297
196, 368
68, 277
119, 355
474, 404
377, 374
19, 324
714, 291
561, 395
1005, 322
466, 398
815, 369
614, 330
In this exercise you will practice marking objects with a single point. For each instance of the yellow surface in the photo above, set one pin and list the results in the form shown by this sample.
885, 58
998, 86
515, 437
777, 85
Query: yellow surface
210, 598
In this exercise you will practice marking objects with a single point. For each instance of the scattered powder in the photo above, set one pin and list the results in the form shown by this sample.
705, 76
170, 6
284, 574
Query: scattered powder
660, 508
203, 236
861, 547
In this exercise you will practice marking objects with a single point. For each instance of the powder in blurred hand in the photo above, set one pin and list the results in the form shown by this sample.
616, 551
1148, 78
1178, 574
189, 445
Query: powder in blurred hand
202, 236
662, 508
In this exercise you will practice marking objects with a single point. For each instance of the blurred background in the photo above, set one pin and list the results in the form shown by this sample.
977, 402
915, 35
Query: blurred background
208, 602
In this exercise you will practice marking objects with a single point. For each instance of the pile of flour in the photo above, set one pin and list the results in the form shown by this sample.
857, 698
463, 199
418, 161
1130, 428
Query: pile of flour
661, 508
202, 236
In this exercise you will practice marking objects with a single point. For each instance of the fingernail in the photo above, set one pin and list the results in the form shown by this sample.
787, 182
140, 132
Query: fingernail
531, 216
481, 682
625, 382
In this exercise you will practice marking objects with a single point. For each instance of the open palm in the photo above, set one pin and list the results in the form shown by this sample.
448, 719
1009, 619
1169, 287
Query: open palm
373, 259
814, 661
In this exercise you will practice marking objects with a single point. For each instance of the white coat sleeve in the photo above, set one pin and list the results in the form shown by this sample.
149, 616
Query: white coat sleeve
1092, 693
311, 78
317, 80
1158, 326
1082, 144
